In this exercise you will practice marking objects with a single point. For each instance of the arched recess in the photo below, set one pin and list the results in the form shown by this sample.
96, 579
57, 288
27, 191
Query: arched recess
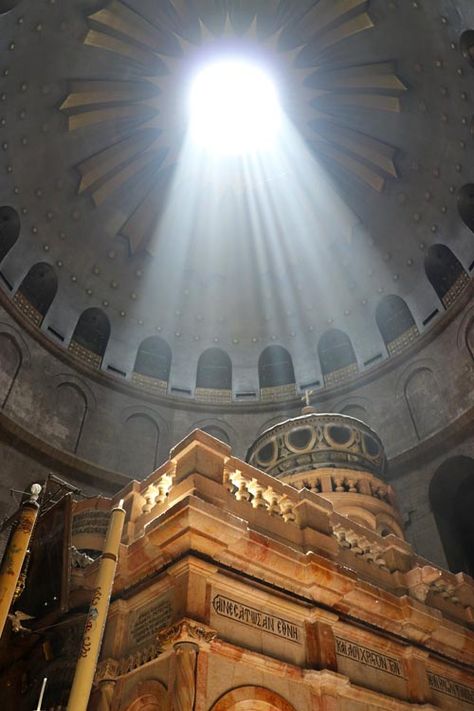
9, 229
7, 5
424, 402
153, 364
149, 695
36, 292
466, 205
90, 337
396, 323
214, 376
337, 357
469, 337
276, 374
10, 363
71, 410
138, 445
217, 432
452, 502
357, 411
445, 274
466, 44
252, 698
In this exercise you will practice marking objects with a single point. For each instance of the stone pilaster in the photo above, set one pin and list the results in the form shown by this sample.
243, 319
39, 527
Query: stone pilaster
186, 637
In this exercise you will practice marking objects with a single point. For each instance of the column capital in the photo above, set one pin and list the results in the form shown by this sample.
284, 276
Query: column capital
186, 631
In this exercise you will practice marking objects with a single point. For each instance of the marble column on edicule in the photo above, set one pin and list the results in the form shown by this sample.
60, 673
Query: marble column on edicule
186, 638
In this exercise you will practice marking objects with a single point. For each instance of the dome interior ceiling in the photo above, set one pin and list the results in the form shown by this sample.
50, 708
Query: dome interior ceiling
93, 133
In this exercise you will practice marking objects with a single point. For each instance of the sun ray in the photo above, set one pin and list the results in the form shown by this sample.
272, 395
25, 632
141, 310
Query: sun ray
319, 94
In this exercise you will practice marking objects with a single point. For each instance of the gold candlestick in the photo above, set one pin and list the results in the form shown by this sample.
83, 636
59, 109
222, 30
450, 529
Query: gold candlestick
15, 553
97, 617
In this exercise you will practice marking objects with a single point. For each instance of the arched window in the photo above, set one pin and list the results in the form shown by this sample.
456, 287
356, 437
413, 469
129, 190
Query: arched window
154, 359
466, 44
9, 229
37, 291
91, 336
452, 502
214, 370
466, 205
275, 368
445, 273
396, 324
337, 356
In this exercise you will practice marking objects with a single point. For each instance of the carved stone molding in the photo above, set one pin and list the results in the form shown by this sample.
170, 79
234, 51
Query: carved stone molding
186, 630
107, 670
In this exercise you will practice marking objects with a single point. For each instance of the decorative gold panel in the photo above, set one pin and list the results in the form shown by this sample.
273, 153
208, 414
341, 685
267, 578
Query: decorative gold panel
399, 344
280, 392
213, 395
338, 376
27, 309
150, 384
456, 290
85, 355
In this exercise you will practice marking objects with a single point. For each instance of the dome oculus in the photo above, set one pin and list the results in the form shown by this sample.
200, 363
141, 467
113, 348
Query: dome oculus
234, 108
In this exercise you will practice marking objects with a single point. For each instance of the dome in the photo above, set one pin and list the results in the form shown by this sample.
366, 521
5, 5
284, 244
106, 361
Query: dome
315, 441
145, 293
337, 456
366, 237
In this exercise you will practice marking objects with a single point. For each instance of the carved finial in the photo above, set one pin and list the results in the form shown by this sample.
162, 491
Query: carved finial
36, 490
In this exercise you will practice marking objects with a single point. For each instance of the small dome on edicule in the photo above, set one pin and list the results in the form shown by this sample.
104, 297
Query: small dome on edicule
338, 457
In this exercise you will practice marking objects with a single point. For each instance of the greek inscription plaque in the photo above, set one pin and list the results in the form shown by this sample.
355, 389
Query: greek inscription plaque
369, 657
151, 619
251, 617
90, 522
451, 688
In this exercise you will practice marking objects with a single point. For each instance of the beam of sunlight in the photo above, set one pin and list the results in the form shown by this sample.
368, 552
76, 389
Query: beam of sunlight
268, 226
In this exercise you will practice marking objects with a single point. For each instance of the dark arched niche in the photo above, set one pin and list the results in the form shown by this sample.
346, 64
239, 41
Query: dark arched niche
10, 364
466, 44
92, 333
39, 287
336, 355
466, 205
154, 359
394, 320
216, 432
275, 367
424, 402
214, 370
7, 5
445, 273
452, 503
138, 447
357, 411
71, 410
9, 229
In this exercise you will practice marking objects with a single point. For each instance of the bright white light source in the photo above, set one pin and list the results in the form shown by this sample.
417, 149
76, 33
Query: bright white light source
234, 108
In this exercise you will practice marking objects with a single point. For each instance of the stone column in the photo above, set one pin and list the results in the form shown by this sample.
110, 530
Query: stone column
184, 688
186, 637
